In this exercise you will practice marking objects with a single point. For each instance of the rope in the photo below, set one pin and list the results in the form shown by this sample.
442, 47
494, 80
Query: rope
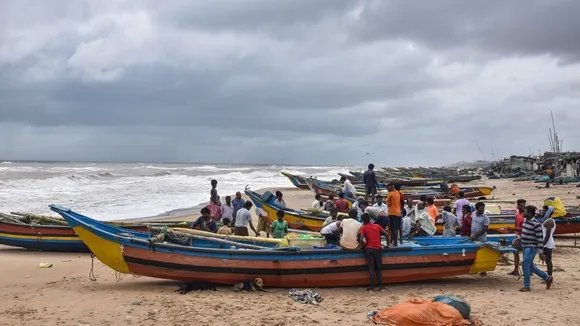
92, 271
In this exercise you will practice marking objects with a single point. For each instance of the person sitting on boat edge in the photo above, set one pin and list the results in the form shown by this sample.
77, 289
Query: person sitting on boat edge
423, 224
318, 204
205, 222
406, 226
450, 222
348, 189
332, 217
329, 203
341, 204
369, 238
532, 241
279, 226
279, 201
394, 214
348, 230
243, 219
376, 214
225, 229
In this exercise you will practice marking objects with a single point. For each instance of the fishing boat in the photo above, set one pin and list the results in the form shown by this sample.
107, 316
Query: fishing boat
58, 236
290, 267
297, 180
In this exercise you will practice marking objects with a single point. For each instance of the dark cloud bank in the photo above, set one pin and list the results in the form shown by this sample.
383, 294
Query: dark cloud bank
311, 82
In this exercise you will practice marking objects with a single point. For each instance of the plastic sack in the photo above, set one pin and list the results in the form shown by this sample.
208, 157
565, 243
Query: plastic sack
456, 302
420, 312
555, 202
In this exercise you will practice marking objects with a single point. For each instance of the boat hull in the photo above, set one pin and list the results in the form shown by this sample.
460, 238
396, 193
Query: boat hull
309, 268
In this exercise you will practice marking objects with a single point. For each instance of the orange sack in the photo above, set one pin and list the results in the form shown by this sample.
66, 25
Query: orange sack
420, 312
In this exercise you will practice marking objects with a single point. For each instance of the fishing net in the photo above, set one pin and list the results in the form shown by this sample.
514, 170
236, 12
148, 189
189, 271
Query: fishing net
420, 312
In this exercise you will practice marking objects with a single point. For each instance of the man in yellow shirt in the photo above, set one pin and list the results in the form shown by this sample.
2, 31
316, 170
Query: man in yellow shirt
394, 213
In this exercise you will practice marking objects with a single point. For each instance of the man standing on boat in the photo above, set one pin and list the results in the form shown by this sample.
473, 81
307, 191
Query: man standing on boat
215, 205
517, 243
243, 219
394, 214
371, 184
532, 241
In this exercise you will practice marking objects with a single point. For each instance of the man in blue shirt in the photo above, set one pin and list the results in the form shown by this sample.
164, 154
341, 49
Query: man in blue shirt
205, 222
238, 203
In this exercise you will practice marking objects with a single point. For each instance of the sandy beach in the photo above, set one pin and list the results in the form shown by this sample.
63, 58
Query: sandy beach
64, 294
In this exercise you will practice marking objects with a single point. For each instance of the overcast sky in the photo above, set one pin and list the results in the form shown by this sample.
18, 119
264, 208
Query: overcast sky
297, 82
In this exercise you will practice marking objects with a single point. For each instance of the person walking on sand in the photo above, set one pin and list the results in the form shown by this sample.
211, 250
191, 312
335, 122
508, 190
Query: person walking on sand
532, 241
369, 238
517, 242
394, 214
243, 220
548, 229
371, 183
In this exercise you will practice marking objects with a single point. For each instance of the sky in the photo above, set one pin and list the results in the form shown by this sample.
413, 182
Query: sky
292, 82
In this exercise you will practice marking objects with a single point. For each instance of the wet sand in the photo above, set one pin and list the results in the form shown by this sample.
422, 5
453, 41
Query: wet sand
64, 295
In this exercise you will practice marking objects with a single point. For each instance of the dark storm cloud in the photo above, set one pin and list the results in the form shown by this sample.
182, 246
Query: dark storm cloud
412, 82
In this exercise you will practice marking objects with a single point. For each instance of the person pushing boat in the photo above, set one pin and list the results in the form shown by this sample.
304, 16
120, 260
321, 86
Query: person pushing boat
378, 215
369, 238
348, 230
423, 224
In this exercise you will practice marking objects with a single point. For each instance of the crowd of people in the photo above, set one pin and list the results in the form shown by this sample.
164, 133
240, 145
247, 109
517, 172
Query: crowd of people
362, 225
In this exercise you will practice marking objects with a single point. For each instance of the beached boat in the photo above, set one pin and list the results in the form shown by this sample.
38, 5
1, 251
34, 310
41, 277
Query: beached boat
277, 267
62, 238
297, 180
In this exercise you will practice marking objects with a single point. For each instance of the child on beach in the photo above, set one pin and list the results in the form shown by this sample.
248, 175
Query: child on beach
225, 229
279, 227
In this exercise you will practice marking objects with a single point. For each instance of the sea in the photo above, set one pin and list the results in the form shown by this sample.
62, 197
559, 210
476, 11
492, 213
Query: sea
120, 191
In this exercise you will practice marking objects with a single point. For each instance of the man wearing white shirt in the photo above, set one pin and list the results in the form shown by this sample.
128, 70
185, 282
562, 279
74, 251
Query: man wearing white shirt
348, 189
318, 204
379, 204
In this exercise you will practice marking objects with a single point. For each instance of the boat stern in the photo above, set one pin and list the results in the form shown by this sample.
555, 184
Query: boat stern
486, 258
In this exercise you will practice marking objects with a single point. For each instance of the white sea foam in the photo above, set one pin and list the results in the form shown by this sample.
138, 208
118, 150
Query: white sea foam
122, 191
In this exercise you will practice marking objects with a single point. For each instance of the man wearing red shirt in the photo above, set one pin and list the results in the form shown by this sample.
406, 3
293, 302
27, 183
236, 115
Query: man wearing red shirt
341, 204
517, 243
369, 237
